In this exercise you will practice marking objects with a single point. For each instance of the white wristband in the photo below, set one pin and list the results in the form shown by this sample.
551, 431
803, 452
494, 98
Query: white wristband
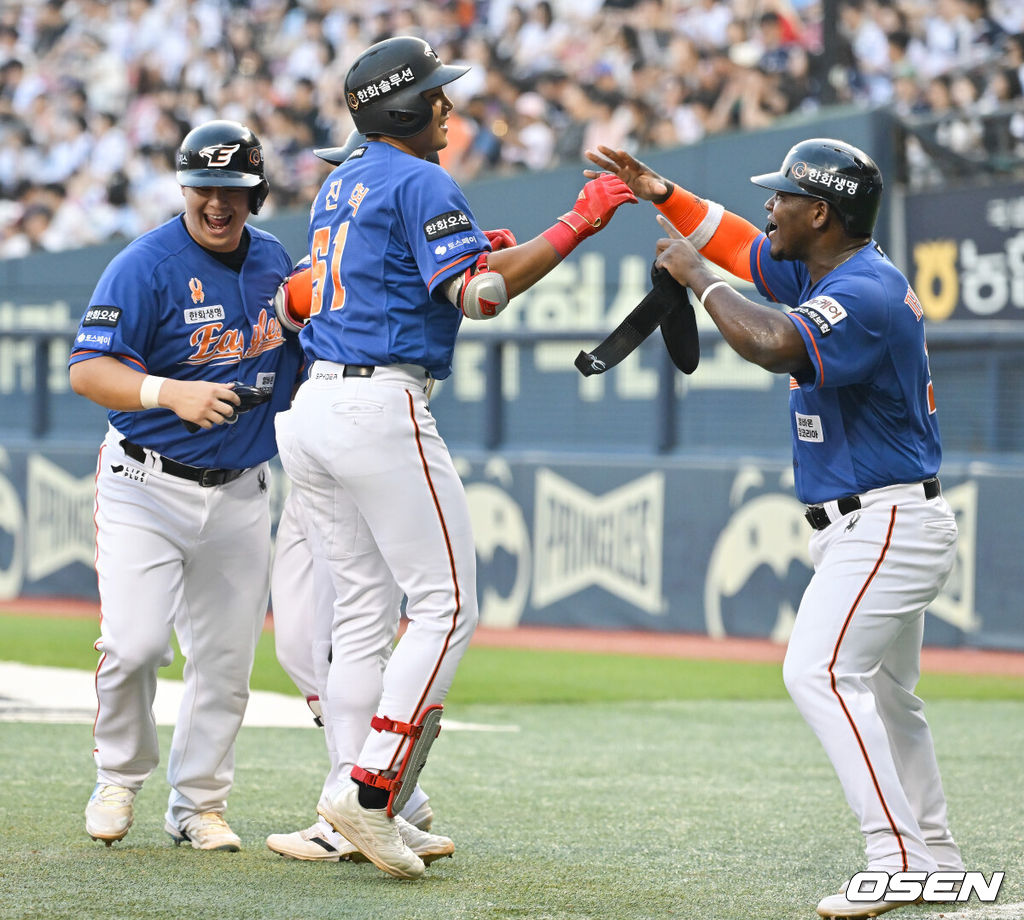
149, 392
703, 297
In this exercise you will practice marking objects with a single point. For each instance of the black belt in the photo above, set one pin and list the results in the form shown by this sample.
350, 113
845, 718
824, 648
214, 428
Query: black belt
818, 517
358, 370
205, 477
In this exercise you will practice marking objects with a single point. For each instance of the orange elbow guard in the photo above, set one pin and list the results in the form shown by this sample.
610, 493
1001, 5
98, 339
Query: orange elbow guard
300, 293
720, 235
294, 298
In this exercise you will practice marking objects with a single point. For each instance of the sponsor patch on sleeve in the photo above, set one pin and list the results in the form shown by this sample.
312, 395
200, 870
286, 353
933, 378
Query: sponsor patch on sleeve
102, 315
98, 340
828, 307
450, 248
446, 224
824, 326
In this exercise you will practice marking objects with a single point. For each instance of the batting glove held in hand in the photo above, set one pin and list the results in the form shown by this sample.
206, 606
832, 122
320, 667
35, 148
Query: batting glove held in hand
594, 207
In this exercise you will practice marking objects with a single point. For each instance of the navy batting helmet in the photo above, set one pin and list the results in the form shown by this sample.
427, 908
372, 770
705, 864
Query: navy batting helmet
384, 87
223, 154
836, 172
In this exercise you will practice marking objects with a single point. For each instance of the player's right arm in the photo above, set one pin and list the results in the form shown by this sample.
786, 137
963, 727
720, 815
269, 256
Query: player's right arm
485, 288
108, 382
719, 235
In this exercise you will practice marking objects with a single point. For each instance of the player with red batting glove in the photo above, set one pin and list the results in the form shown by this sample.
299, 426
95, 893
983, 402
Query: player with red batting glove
397, 261
303, 613
866, 453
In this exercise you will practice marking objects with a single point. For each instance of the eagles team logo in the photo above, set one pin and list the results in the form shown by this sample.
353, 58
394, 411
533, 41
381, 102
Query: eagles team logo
196, 287
219, 155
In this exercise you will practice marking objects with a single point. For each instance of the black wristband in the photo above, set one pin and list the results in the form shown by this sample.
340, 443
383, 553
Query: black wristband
671, 188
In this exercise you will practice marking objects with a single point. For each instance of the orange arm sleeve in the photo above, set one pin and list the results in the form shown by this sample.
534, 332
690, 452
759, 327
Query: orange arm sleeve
729, 246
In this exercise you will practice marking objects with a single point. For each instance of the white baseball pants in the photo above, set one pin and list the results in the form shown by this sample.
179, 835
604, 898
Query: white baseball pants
171, 554
387, 517
303, 614
853, 662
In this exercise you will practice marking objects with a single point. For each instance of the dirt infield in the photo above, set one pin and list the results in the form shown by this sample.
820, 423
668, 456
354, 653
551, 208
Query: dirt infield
668, 645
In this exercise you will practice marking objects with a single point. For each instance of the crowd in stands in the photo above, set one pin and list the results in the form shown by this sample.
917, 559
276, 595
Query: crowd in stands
95, 95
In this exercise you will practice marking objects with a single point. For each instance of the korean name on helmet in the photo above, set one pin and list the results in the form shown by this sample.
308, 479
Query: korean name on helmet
836, 172
223, 154
384, 87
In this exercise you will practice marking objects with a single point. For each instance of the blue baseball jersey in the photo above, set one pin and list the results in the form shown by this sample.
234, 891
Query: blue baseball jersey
864, 416
386, 230
166, 306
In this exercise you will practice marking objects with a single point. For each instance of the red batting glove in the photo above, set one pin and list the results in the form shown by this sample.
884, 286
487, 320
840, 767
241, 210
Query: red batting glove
500, 239
594, 207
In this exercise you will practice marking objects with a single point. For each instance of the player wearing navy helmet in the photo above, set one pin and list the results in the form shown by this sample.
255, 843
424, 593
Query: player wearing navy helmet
396, 261
866, 453
179, 329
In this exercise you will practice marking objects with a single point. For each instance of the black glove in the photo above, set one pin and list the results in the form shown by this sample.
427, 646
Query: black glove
250, 397
667, 305
679, 327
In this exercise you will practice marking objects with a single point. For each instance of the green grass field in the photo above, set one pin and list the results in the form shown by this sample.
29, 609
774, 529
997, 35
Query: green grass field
630, 789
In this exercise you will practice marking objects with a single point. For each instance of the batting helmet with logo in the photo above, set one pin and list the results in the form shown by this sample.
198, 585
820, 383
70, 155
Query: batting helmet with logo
384, 87
836, 172
223, 154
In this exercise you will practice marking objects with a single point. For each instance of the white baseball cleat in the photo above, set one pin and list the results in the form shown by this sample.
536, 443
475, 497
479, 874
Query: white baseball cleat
208, 831
109, 813
839, 906
372, 832
427, 847
422, 817
323, 843
319, 842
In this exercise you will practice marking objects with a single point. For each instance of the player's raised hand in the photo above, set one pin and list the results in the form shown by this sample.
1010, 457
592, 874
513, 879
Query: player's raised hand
199, 401
643, 181
595, 205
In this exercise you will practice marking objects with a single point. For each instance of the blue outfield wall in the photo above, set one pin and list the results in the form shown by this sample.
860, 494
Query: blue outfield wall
600, 501
715, 546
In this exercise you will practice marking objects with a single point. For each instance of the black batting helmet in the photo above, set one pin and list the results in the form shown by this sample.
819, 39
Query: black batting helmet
384, 87
336, 155
836, 172
223, 154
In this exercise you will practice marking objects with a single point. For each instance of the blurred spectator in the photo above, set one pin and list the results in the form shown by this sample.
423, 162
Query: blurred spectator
531, 141
95, 94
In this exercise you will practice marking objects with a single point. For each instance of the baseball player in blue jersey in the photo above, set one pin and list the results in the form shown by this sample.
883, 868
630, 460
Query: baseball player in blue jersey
181, 343
866, 451
397, 260
302, 596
